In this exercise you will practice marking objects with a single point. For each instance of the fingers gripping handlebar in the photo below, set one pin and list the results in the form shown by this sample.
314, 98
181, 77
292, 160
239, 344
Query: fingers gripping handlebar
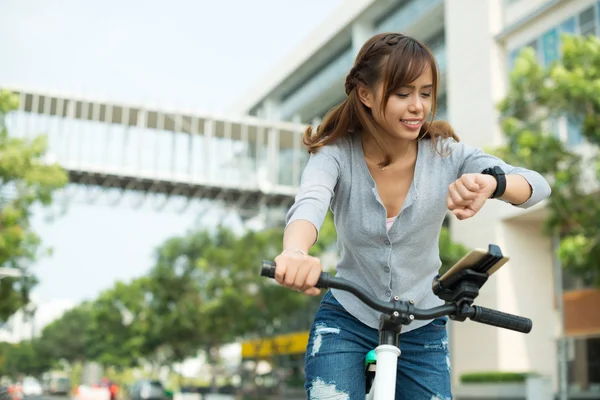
475, 313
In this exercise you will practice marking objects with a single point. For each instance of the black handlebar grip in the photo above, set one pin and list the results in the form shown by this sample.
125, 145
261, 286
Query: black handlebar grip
268, 270
502, 320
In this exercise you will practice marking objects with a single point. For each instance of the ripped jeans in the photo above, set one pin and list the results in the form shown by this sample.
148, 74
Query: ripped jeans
338, 344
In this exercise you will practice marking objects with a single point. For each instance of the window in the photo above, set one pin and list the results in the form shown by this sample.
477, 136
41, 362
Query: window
572, 281
535, 45
568, 26
512, 58
584, 365
550, 46
514, 54
587, 22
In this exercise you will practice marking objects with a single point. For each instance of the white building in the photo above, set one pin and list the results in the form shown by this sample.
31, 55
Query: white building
475, 42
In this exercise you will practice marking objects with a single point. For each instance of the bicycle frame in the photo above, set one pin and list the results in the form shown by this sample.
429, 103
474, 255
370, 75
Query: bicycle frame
388, 350
384, 386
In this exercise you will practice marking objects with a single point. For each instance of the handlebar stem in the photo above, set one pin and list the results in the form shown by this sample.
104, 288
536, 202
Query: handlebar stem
390, 324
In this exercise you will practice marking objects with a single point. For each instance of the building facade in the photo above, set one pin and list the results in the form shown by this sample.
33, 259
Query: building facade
476, 43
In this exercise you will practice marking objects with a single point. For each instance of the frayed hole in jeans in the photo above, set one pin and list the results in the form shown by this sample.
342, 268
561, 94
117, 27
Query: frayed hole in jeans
321, 330
320, 390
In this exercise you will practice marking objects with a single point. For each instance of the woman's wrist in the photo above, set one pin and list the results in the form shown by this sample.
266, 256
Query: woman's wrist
294, 249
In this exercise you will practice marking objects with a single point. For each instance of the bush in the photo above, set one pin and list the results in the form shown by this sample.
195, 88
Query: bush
495, 376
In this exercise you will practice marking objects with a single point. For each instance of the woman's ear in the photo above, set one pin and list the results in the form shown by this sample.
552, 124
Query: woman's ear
365, 96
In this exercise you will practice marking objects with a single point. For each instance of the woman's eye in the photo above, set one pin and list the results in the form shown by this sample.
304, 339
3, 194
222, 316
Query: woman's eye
426, 94
403, 95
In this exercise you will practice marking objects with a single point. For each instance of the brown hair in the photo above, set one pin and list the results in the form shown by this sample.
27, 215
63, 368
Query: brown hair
395, 60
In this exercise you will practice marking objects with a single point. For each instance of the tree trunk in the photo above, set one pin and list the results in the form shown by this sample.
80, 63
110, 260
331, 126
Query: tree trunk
213, 375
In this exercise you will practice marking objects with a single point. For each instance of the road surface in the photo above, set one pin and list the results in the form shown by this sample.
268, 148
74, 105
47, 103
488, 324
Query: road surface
47, 398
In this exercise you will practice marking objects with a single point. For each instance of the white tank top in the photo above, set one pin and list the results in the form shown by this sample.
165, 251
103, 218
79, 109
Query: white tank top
389, 222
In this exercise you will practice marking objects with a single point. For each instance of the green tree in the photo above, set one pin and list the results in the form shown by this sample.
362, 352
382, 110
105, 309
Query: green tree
175, 300
21, 359
206, 291
538, 98
118, 327
25, 181
65, 337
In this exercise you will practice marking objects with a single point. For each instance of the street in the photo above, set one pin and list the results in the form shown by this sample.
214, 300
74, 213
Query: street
47, 398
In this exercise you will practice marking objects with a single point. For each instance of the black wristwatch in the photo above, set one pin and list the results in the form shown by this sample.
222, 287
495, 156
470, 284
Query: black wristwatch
497, 173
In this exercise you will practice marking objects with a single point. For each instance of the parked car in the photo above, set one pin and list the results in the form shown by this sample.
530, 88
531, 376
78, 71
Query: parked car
57, 385
31, 387
146, 389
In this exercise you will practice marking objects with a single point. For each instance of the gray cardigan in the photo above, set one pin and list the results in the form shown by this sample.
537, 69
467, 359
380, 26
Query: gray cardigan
403, 261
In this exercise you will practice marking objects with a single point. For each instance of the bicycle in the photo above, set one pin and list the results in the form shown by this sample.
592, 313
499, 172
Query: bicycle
458, 288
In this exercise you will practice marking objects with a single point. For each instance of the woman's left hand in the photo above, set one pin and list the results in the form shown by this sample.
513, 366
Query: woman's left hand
467, 195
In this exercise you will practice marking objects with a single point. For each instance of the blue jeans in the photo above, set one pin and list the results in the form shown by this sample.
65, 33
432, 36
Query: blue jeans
338, 344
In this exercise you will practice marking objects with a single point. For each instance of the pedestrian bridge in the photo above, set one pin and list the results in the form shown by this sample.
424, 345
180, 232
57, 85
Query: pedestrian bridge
105, 146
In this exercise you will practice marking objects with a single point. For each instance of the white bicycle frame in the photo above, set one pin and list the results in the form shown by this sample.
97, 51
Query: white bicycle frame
384, 385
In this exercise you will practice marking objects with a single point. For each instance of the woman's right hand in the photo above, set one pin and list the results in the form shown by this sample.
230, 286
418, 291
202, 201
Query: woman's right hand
298, 271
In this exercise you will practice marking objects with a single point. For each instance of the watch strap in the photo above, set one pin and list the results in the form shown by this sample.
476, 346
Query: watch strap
500, 177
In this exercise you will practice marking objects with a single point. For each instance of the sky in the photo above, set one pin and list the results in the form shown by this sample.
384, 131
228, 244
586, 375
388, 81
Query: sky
196, 54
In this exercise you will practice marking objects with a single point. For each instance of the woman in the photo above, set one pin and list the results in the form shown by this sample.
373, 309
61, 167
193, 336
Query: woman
389, 174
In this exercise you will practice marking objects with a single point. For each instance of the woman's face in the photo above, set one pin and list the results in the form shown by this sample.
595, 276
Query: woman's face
407, 108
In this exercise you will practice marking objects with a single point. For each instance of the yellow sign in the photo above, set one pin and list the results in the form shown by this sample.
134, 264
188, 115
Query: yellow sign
291, 343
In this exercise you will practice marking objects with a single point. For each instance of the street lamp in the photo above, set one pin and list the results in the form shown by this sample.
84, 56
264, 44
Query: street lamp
10, 273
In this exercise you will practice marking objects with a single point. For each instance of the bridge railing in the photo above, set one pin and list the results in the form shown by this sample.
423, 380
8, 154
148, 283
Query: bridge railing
144, 142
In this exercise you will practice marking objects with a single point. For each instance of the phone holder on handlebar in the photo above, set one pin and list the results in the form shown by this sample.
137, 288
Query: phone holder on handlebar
462, 287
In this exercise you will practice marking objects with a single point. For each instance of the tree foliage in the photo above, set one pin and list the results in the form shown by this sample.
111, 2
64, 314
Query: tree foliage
21, 358
118, 325
25, 181
65, 338
541, 99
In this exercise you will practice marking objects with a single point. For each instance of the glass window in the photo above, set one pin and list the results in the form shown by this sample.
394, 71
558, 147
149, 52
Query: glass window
550, 46
587, 21
512, 59
584, 365
535, 45
568, 26
598, 18
575, 281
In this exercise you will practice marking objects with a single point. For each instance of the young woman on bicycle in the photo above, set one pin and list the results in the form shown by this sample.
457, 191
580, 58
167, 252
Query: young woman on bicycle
389, 174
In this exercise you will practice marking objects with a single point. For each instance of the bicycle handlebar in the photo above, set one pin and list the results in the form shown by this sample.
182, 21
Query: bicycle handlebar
475, 313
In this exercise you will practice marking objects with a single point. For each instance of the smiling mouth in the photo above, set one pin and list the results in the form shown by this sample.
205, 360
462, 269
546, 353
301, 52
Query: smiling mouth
411, 122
